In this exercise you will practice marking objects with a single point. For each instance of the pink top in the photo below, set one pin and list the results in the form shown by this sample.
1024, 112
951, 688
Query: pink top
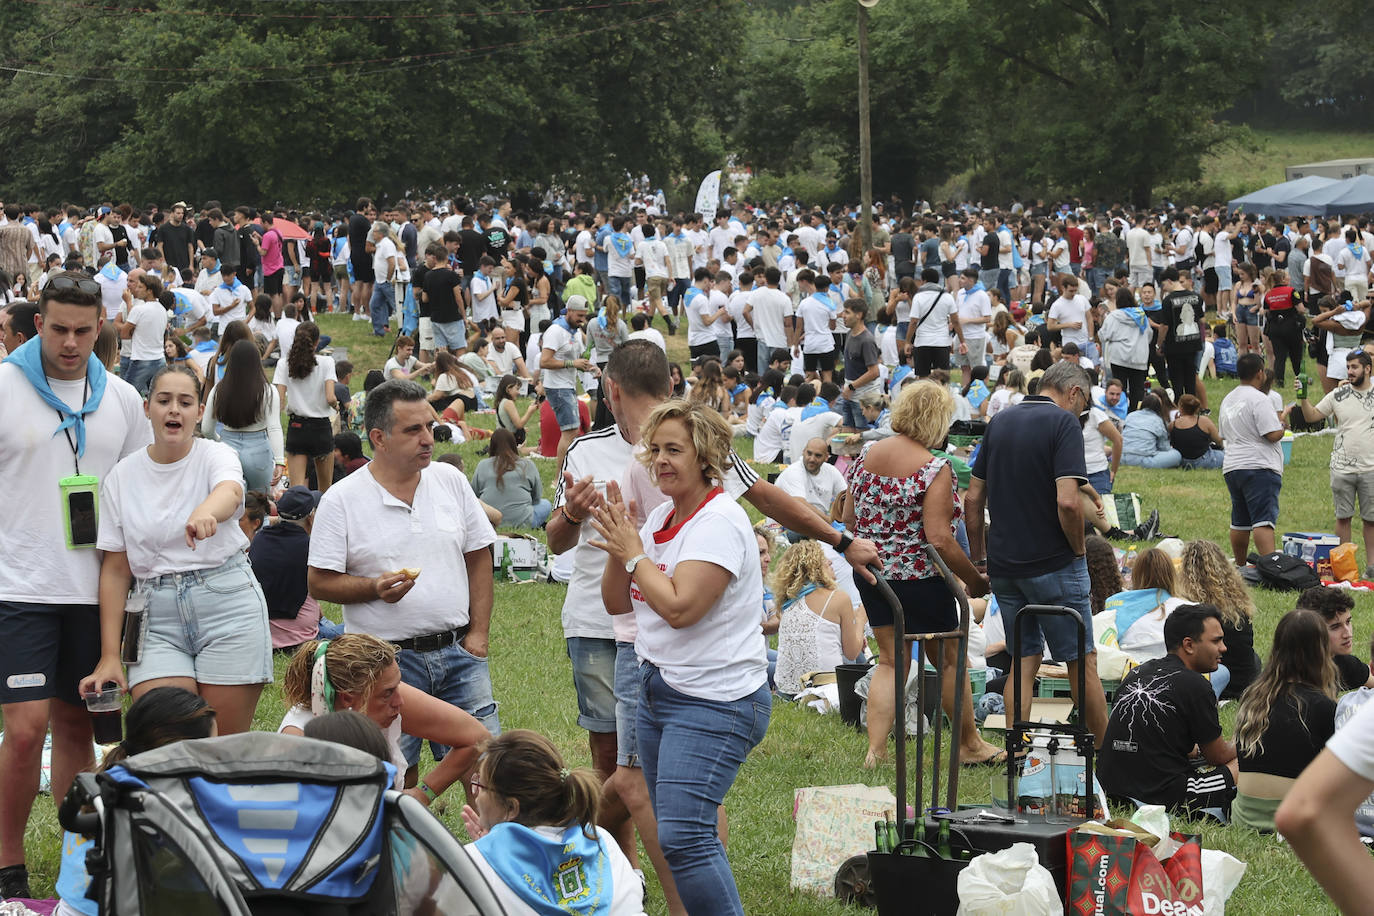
271, 251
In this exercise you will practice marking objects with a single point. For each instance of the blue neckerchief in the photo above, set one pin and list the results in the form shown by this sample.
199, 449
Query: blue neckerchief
1153, 306
883, 417
111, 271
975, 288
807, 589
562, 322
622, 244
690, 296
786, 253
738, 388
551, 875
824, 299
232, 285
29, 221
601, 317
898, 374
753, 250
1119, 410
1132, 605
205, 346
1357, 251
766, 394
29, 359
62, 228
814, 408
1137, 316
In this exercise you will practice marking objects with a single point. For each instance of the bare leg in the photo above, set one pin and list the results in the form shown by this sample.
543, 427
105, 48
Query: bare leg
972, 747
881, 705
295, 467
1343, 531
629, 784
1264, 540
565, 439
324, 472
615, 816
1094, 705
1240, 545
20, 756
71, 745
234, 705
1030, 664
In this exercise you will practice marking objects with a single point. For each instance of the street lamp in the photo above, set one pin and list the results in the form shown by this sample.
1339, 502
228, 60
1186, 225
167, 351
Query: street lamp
865, 135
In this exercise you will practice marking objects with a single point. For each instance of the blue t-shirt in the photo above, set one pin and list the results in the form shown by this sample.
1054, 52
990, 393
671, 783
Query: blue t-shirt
1027, 448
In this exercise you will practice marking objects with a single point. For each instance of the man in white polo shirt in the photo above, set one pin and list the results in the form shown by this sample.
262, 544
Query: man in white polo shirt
403, 544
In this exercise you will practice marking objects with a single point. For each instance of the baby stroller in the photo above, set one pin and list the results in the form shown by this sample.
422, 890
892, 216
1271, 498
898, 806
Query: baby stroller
268, 825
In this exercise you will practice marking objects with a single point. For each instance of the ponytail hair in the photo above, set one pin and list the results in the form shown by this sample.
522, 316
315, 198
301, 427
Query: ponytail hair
525, 767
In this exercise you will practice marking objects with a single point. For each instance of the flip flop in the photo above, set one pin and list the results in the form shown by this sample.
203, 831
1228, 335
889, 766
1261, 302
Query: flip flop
996, 760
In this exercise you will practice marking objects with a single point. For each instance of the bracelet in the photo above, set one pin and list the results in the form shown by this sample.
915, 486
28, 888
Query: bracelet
568, 518
429, 793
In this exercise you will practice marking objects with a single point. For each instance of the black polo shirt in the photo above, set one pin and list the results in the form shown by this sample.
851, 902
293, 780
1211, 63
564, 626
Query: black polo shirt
1025, 451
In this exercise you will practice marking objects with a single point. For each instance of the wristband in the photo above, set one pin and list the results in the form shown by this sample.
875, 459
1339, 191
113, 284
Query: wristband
429, 793
568, 518
845, 541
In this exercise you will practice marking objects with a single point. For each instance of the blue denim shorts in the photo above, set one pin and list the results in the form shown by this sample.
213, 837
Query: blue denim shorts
454, 675
563, 401
626, 704
1101, 481
1066, 587
1223, 277
1254, 498
450, 334
209, 625
593, 667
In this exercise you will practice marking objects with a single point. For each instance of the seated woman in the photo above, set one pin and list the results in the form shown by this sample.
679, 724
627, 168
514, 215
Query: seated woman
1285, 718
1141, 611
454, 386
510, 483
1145, 437
533, 822
162, 716
1207, 576
359, 672
818, 626
1194, 436
404, 365
508, 416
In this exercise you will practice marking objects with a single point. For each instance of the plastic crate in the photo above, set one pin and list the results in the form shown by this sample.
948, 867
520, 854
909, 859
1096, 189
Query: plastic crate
964, 441
978, 679
1059, 687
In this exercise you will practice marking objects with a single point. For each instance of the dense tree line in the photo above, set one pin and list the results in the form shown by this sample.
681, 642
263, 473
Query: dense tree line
308, 101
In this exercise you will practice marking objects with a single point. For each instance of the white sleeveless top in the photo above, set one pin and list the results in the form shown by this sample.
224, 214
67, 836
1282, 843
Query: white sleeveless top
806, 642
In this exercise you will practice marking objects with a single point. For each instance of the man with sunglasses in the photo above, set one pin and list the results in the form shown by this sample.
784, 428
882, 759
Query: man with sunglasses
64, 423
1028, 474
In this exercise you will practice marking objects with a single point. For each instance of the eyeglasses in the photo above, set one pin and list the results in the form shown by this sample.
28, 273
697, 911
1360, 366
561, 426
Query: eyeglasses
86, 286
477, 786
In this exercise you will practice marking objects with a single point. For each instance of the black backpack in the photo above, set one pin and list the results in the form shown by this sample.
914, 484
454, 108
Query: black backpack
1283, 572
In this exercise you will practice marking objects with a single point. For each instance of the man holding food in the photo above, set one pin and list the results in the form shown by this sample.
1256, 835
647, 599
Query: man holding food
403, 544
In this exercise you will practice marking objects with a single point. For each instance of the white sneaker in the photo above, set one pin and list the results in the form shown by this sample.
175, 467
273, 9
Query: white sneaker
357, 317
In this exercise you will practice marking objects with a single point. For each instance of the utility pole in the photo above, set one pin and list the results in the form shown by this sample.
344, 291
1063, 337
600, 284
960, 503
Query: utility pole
865, 134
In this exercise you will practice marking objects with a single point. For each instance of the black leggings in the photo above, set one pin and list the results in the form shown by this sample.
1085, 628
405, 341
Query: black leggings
1286, 338
1134, 380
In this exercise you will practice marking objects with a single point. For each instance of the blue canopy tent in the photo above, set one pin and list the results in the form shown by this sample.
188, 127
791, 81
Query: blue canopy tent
1277, 199
1350, 195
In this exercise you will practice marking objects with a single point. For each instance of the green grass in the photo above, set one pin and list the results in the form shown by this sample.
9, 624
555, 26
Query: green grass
1240, 166
533, 683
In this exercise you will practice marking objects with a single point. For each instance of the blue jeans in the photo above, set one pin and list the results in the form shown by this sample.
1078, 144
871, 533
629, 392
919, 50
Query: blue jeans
1101, 481
989, 278
140, 373
1067, 587
1220, 678
255, 455
702, 744
764, 352
593, 666
1004, 285
1211, 459
1170, 458
851, 411
382, 305
456, 676
542, 510
620, 288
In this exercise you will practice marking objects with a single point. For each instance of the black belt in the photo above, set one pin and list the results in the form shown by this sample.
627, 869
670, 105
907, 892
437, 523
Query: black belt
434, 641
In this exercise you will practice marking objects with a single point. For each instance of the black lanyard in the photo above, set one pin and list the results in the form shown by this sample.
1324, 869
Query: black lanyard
85, 395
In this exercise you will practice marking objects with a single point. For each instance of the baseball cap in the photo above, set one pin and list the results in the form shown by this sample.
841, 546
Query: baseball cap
297, 503
103, 210
576, 302
182, 204
209, 253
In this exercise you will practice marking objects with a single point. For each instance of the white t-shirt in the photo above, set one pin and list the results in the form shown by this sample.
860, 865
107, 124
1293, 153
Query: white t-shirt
566, 346
601, 455
1138, 247
112, 290
504, 360
1094, 457
653, 335
362, 530
299, 717
887, 347
770, 306
721, 327
34, 460
1352, 452
483, 291
286, 335
720, 657
383, 260
816, 426
1350, 265
585, 247
933, 330
190, 307
769, 440
975, 305
1246, 416
738, 300
153, 531
1069, 311
1059, 255
150, 324
654, 255
306, 397
817, 337
697, 305
819, 489
237, 300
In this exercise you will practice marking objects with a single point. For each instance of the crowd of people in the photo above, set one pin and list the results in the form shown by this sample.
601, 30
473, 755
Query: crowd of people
1081, 341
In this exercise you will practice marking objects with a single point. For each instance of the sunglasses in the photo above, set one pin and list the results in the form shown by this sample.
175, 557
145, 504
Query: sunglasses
86, 286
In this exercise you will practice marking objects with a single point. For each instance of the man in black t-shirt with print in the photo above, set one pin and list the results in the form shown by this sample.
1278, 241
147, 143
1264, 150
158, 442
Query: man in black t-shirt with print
1163, 711
1182, 342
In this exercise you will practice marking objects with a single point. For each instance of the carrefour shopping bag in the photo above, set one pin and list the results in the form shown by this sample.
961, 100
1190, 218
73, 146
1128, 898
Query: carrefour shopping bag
1118, 875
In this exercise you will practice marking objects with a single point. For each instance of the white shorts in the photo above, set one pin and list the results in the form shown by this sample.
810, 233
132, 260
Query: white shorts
1335, 365
426, 329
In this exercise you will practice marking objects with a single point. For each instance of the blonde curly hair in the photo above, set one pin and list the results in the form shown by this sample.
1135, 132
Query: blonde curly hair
800, 565
354, 662
1207, 576
710, 434
922, 413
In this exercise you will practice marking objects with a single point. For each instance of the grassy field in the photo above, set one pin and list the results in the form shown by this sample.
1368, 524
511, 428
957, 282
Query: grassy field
1241, 166
533, 684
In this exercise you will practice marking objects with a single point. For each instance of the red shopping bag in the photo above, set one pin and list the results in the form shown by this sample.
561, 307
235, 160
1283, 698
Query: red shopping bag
1120, 876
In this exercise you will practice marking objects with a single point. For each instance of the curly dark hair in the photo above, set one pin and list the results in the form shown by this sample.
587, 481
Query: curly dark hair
1103, 572
300, 361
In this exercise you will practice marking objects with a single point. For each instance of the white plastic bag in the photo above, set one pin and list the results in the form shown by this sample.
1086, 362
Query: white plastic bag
1008, 883
1221, 874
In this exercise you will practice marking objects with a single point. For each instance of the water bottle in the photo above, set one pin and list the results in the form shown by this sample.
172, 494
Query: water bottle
1309, 553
